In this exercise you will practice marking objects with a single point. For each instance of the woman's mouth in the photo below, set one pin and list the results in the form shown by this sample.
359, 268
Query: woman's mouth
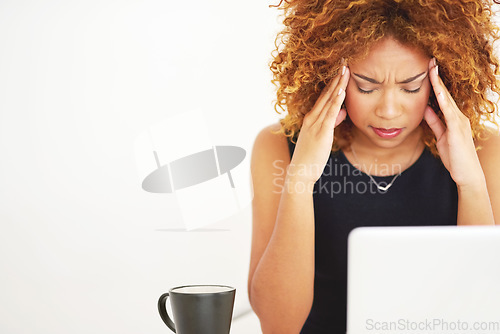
387, 133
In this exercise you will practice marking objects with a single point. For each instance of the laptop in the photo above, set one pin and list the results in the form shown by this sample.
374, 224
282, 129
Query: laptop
426, 279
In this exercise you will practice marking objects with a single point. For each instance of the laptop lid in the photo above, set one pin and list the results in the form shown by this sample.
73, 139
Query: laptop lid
427, 279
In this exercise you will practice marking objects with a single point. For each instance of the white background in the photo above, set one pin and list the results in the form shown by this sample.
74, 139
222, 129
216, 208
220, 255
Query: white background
83, 249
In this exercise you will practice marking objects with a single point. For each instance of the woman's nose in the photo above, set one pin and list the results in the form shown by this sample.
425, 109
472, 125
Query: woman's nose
388, 107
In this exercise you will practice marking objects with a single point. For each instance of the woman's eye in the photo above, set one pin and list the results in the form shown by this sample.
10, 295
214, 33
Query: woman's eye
405, 90
364, 91
412, 91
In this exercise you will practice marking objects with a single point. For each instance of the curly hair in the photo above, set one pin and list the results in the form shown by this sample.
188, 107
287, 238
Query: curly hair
318, 34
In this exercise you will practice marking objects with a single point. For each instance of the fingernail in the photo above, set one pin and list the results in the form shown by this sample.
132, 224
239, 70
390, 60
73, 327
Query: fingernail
437, 72
343, 70
340, 91
434, 60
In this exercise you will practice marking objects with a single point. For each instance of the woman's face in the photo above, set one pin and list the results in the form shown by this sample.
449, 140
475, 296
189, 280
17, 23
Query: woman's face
387, 94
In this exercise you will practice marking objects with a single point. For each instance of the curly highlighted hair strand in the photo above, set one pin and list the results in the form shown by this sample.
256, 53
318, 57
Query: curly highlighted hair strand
318, 34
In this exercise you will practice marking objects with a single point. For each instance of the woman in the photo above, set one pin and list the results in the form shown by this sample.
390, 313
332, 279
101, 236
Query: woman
387, 103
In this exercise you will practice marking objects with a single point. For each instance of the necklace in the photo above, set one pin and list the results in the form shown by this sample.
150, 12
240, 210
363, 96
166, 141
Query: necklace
387, 186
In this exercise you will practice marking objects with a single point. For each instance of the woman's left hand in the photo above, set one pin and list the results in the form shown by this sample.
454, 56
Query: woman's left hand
454, 140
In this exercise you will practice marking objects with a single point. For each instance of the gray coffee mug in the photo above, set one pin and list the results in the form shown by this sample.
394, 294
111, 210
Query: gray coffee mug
196, 309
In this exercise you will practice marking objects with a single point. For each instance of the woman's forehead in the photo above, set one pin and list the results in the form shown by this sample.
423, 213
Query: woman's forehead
388, 51
389, 60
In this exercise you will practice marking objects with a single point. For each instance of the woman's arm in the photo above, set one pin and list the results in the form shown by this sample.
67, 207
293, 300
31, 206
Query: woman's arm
281, 276
474, 205
489, 156
458, 153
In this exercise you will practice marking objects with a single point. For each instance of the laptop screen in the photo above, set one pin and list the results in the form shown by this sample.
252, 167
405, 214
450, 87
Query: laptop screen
435, 279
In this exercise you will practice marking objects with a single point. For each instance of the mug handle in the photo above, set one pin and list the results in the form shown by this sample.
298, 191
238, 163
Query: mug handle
163, 312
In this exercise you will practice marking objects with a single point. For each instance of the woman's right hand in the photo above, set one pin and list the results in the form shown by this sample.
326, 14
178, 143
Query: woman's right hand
315, 139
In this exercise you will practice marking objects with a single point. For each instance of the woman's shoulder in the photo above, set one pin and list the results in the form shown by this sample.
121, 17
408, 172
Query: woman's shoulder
488, 146
272, 132
270, 149
272, 141
488, 139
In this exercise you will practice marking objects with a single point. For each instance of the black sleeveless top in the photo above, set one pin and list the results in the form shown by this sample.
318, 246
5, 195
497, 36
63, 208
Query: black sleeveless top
345, 198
